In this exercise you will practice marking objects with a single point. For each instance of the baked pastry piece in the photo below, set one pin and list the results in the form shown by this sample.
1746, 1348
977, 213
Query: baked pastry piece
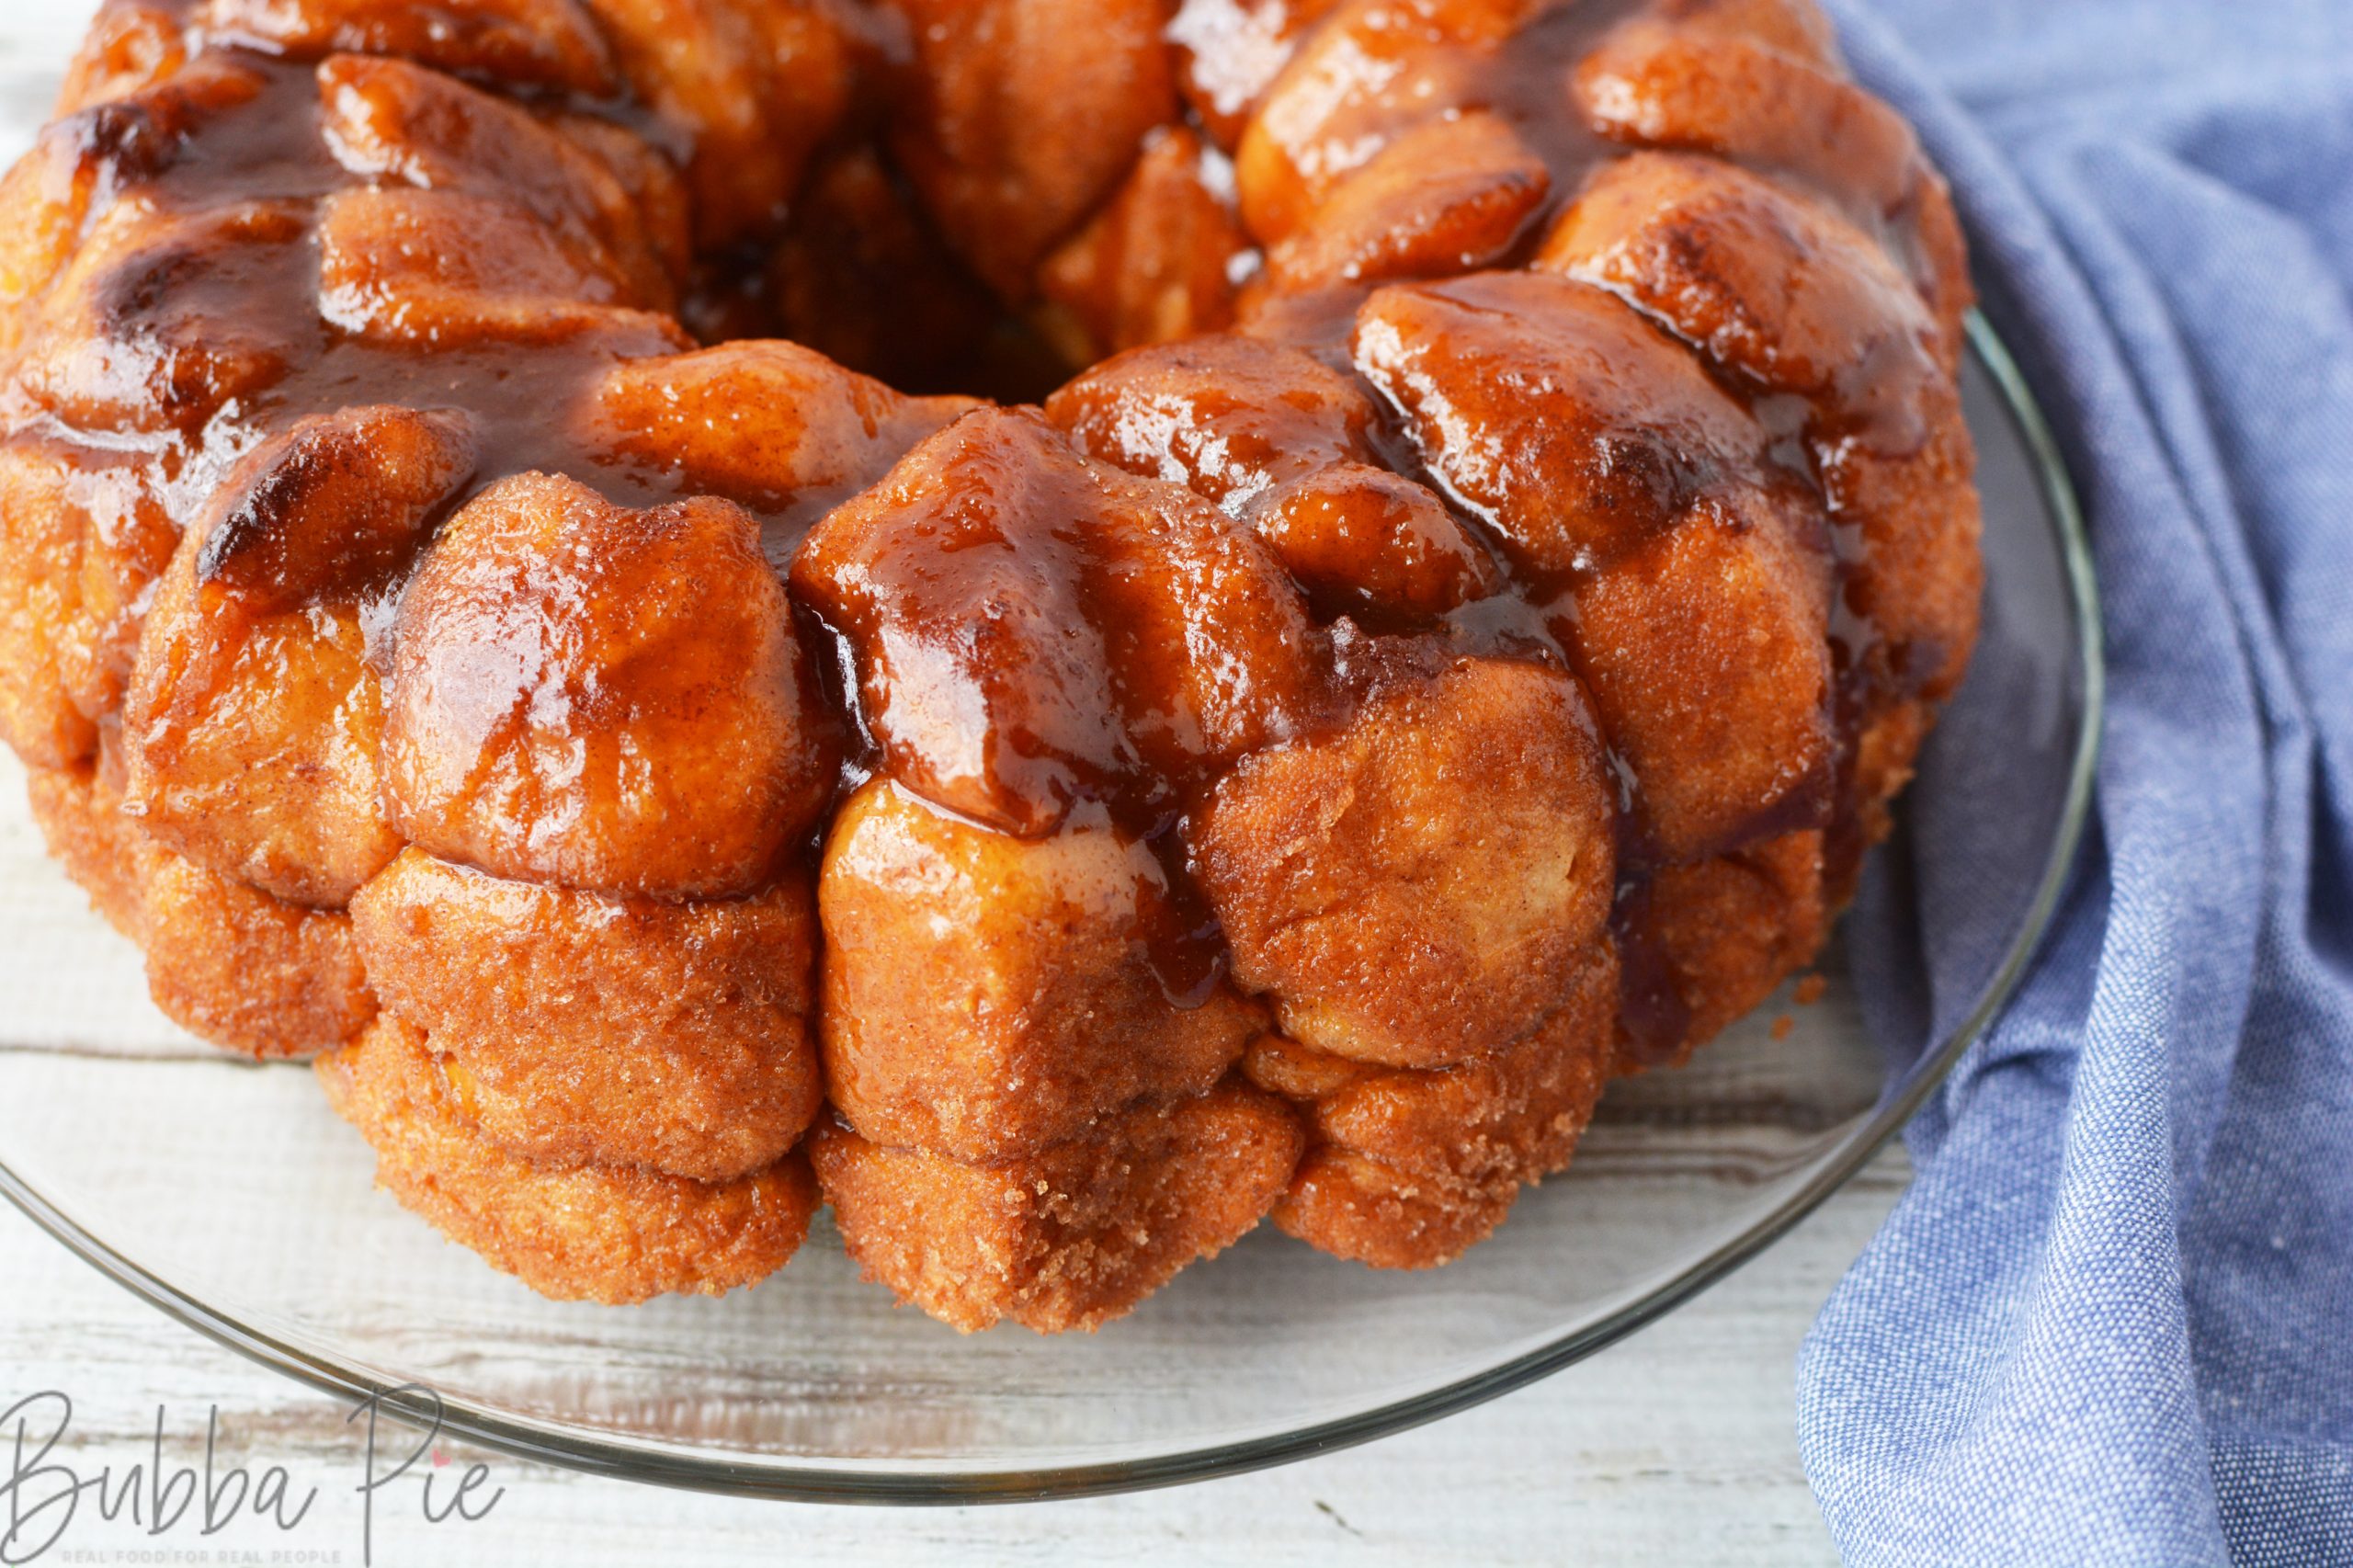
1432, 535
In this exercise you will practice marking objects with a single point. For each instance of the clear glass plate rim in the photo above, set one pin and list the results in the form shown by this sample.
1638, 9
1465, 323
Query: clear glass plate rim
882, 1481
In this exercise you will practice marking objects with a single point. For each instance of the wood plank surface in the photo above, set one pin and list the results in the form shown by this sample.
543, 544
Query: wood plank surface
1673, 1447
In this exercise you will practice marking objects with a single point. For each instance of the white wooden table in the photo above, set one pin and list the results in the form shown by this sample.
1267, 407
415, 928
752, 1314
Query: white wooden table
1676, 1446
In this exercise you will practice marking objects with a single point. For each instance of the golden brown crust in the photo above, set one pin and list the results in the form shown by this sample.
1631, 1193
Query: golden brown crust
1158, 262
83, 537
238, 967
1768, 91
672, 1036
253, 747
1228, 418
252, 730
1022, 115
69, 366
1659, 85
601, 194
545, 43
1374, 545
225, 960
415, 267
1446, 197
1407, 1168
606, 1234
771, 425
1722, 933
81, 820
1321, 115
1488, 658
1070, 1237
1427, 883
986, 995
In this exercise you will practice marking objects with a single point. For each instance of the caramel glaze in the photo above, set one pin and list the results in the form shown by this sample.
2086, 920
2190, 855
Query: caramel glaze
216, 339
1516, 71
241, 131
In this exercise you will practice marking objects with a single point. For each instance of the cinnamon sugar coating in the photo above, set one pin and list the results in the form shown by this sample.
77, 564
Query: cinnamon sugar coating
225, 960
1424, 885
672, 1036
1402, 552
1407, 1167
1073, 1235
598, 1233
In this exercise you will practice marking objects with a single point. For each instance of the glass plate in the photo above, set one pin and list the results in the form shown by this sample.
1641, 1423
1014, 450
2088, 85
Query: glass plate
229, 1196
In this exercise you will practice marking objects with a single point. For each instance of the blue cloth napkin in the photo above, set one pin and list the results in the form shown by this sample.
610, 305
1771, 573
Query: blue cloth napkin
2112, 1318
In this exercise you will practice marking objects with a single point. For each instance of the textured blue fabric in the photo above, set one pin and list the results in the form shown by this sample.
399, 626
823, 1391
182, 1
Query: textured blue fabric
2112, 1318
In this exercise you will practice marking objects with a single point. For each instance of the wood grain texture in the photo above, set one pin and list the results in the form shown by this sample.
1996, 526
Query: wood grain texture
1676, 1446
1673, 1447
